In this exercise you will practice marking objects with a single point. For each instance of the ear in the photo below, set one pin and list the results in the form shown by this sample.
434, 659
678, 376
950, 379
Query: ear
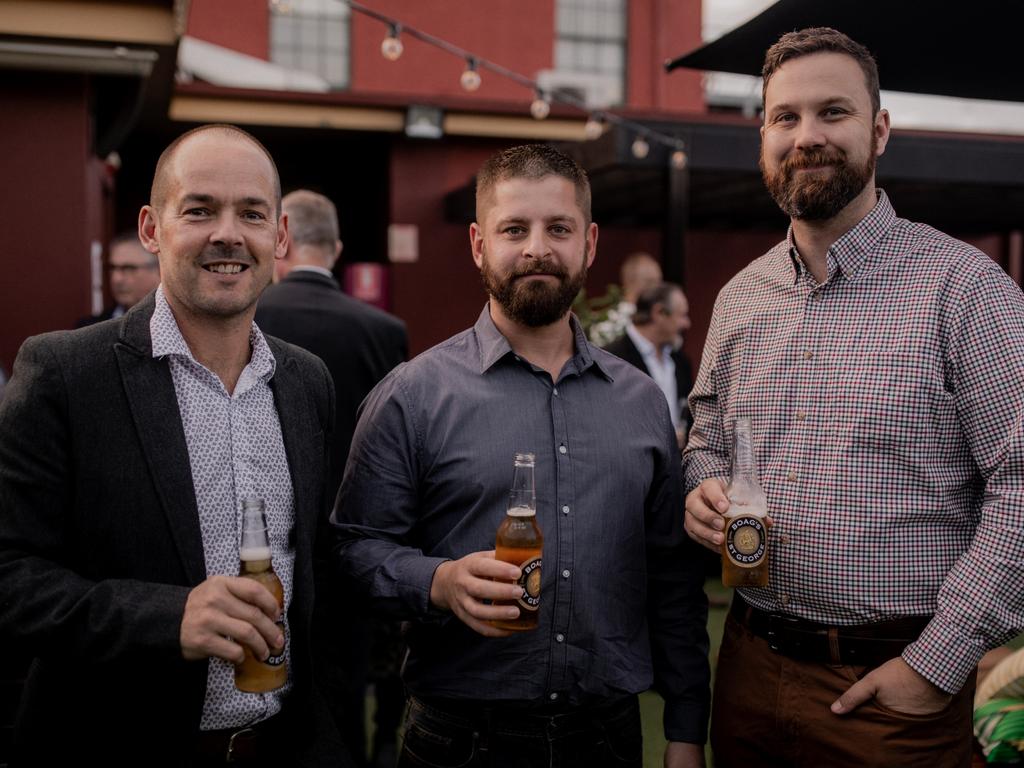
881, 129
149, 227
281, 248
591, 243
476, 244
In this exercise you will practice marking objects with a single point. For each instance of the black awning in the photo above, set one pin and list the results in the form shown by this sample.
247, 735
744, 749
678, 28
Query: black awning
970, 49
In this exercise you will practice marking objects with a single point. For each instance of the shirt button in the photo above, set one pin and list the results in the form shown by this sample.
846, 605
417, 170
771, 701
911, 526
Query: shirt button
817, 296
808, 354
801, 415
559, 638
791, 476
555, 391
565, 509
562, 449
553, 696
565, 574
784, 599
784, 539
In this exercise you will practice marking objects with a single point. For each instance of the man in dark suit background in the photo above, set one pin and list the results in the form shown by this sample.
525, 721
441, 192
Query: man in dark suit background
133, 273
360, 344
653, 343
126, 449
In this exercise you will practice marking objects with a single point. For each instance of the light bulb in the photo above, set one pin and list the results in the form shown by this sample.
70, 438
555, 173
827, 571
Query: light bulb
470, 79
679, 159
391, 48
594, 128
540, 108
640, 148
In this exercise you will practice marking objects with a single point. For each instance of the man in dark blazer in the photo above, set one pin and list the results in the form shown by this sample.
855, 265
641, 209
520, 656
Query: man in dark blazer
360, 345
133, 273
653, 343
107, 517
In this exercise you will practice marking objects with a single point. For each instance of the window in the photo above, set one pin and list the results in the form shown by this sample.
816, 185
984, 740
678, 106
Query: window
311, 36
591, 38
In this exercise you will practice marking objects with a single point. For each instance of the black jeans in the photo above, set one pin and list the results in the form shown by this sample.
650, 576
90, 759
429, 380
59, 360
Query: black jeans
486, 735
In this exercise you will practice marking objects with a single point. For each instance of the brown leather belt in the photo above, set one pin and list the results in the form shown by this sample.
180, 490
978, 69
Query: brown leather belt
239, 746
858, 645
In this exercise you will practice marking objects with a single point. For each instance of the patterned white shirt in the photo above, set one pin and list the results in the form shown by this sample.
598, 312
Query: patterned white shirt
235, 450
662, 368
887, 404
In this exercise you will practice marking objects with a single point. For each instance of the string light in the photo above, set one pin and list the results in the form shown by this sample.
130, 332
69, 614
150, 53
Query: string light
470, 79
391, 48
594, 127
541, 106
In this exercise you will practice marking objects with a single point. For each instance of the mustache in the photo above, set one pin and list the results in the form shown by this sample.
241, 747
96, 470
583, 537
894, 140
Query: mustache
217, 252
813, 158
541, 268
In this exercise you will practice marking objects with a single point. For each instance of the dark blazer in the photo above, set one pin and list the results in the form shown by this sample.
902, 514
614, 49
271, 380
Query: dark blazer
100, 544
107, 314
625, 348
360, 344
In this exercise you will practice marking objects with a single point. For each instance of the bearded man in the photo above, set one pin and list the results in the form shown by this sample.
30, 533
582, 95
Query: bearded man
881, 364
622, 604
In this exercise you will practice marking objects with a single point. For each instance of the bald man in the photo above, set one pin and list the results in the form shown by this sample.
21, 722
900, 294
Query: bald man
126, 452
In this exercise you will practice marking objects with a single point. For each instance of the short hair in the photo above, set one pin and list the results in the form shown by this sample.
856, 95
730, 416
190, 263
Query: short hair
130, 238
651, 297
158, 192
804, 42
531, 161
312, 219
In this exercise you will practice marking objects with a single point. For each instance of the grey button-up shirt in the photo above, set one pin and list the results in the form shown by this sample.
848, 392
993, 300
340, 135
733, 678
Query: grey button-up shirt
622, 600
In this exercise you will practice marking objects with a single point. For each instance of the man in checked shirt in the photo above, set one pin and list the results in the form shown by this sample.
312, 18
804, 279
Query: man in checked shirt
881, 362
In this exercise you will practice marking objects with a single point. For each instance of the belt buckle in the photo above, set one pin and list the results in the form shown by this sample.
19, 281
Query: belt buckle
245, 734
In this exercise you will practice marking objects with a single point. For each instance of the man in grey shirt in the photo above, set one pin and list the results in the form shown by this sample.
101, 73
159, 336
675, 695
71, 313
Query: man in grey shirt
622, 601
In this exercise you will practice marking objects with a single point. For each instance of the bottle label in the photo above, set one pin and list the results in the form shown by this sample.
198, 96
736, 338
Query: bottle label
529, 580
277, 661
745, 541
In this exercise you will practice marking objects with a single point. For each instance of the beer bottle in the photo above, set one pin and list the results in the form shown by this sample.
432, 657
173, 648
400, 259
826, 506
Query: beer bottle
519, 541
254, 675
745, 547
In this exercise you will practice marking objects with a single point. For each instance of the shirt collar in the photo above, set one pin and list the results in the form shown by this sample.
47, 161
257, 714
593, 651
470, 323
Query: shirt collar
167, 340
856, 250
493, 346
313, 268
644, 345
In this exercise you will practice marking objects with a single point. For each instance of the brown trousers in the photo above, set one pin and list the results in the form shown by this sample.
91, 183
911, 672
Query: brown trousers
772, 711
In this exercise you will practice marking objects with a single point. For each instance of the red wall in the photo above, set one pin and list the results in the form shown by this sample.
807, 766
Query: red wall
517, 34
242, 25
660, 30
51, 202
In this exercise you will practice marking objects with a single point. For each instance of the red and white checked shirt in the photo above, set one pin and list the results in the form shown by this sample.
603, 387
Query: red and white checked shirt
887, 405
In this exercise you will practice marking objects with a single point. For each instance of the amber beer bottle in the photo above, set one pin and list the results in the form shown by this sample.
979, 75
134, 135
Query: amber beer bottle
253, 675
745, 547
519, 541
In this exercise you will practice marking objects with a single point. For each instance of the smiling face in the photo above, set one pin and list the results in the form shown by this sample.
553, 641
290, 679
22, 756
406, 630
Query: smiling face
533, 247
216, 232
821, 137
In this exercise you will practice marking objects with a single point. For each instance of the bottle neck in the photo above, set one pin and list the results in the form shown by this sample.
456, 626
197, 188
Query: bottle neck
256, 566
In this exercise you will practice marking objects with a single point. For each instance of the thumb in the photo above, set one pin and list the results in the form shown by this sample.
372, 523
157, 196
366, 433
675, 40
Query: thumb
855, 695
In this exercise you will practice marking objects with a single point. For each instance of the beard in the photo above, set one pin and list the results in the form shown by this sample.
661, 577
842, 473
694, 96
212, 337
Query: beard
534, 303
817, 196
